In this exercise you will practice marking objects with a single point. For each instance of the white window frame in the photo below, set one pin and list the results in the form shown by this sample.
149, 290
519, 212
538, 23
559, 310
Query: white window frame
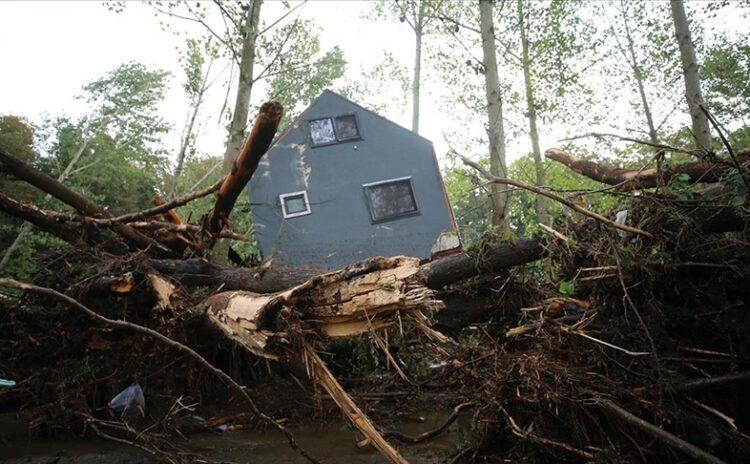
284, 212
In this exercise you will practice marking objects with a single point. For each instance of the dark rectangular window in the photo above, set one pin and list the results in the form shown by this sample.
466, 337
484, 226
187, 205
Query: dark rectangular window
390, 199
325, 131
346, 127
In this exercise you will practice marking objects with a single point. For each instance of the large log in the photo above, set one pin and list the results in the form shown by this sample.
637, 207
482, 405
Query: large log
633, 179
244, 167
438, 273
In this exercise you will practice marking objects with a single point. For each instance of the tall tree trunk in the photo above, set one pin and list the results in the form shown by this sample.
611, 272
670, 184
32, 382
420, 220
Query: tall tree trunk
244, 86
195, 107
496, 130
701, 129
638, 74
541, 204
415, 86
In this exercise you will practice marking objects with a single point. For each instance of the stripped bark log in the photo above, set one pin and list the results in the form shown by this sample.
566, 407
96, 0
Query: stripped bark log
255, 147
633, 179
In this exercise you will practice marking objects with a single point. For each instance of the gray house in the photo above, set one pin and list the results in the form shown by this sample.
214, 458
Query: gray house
342, 184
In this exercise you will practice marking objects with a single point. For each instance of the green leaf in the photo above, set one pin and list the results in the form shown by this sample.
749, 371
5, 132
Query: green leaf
567, 287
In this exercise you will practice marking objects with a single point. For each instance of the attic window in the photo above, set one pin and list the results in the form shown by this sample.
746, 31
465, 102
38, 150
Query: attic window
346, 127
294, 204
321, 131
326, 131
390, 199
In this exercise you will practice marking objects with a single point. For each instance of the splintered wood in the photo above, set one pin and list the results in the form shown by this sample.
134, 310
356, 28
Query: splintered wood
365, 297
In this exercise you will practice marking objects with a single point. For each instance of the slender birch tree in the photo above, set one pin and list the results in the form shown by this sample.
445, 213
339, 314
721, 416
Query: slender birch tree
495, 122
690, 71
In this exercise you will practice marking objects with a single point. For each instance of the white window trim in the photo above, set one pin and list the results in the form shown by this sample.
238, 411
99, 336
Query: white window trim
294, 194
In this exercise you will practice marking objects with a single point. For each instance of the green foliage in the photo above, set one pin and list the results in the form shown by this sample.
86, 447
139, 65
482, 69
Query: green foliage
120, 161
192, 61
560, 179
302, 73
470, 201
567, 287
726, 75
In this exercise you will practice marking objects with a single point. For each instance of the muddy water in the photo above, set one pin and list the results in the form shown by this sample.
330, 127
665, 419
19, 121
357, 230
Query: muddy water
331, 444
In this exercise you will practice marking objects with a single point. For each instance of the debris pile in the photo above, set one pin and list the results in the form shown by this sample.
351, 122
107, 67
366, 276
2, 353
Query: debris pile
629, 344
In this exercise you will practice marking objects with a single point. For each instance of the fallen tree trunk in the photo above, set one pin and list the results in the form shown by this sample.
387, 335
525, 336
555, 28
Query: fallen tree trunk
634, 179
438, 273
49, 185
70, 233
244, 167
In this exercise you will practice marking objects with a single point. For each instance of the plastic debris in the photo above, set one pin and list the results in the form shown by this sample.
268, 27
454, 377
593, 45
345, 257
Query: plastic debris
7, 383
129, 402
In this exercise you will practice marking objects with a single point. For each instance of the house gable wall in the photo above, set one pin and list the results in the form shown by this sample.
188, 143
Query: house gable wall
339, 229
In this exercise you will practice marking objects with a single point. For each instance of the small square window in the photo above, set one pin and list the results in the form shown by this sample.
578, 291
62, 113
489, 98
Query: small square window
390, 199
346, 127
294, 204
321, 131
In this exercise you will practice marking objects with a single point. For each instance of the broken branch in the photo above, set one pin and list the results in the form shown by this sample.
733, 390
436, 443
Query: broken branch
633, 179
244, 167
539, 191
150, 333
657, 432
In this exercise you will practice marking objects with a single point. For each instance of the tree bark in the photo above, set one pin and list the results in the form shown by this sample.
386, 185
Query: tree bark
415, 87
496, 129
244, 166
634, 179
34, 216
701, 129
638, 75
438, 273
244, 86
542, 216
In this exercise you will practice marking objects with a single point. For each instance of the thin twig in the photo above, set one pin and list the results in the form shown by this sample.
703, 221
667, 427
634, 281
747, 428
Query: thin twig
413, 440
146, 213
657, 432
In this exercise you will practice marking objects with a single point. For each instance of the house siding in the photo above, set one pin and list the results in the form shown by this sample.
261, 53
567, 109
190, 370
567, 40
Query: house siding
339, 229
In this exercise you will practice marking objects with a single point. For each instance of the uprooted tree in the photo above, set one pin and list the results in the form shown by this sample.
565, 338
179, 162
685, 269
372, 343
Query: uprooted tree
288, 315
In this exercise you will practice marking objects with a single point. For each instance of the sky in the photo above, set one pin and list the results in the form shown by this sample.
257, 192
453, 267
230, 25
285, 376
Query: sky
49, 50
